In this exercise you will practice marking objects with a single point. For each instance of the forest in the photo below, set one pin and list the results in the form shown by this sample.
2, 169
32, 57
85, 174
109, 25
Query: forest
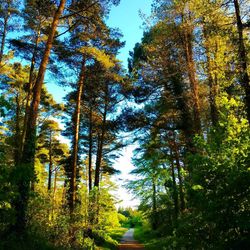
184, 101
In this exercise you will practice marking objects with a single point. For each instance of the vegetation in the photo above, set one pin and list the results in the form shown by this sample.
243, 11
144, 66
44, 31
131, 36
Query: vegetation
185, 102
192, 163
130, 218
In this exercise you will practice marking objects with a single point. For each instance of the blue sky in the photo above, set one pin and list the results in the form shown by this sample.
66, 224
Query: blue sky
126, 18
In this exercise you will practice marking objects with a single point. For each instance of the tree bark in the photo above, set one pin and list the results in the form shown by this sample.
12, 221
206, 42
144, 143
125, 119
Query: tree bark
29, 94
188, 49
50, 162
101, 142
186, 115
154, 224
55, 183
5, 27
175, 193
178, 166
90, 148
54, 191
244, 77
17, 131
212, 82
74, 156
27, 160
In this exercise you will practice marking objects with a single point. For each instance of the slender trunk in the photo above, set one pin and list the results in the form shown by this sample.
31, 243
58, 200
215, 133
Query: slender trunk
54, 191
166, 182
244, 77
87, 202
212, 84
178, 166
55, 183
5, 27
29, 94
175, 193
98, 159
74, 156
154, 224
97, 170
188, 48
17, 132
100, 148
50, 162
90, 148
27, 160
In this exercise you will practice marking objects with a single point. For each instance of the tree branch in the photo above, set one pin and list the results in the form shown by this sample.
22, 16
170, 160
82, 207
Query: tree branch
79, 11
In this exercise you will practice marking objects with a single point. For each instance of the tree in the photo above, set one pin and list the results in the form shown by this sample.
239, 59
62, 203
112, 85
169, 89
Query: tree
8, 10
164, 69
27, 160
244, 77
48, 139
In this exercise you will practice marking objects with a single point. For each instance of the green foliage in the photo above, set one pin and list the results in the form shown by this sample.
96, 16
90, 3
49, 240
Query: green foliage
130, 218
7, 193
192, 165
100, 56
222, 176
109, 239
195, 180
4, 106
27, 242
150, 239
123, 220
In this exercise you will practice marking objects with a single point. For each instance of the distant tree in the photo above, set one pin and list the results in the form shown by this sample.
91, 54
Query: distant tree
8, 11
242, 57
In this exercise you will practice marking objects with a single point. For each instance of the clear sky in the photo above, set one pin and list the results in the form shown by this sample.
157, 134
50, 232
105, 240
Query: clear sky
126, 18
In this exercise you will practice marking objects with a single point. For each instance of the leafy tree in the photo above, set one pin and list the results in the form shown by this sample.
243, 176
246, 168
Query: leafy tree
8, 12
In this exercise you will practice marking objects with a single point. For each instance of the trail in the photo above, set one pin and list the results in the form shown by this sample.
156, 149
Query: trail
129, 243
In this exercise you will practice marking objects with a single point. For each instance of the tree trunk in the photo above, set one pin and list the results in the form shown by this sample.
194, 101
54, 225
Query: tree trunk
186, 115
17, 131
5, 26
178, 166
188, 49
55, 183
212, 82
54, 191
27, 160
99, 159
175, 193
244, 77
101, 142
154, 224
74, 156
29, 94
90, 148
50, 162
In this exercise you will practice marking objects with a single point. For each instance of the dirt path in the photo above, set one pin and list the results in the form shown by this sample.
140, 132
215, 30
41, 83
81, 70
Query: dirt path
129, 243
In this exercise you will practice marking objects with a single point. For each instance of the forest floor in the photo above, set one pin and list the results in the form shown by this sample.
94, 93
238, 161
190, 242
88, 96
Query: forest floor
129, 243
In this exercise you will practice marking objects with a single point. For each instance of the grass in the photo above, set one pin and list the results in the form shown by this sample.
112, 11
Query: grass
108, 240
117, 233
150, 239
111, 239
